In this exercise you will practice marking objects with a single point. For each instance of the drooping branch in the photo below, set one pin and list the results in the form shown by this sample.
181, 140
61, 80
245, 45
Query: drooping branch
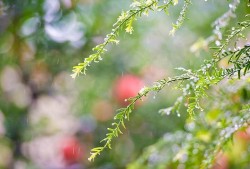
200, 80
124, 113
125, 20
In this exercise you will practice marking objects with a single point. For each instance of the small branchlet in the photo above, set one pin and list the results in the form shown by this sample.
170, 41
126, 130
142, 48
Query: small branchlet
232, 125
210, 75
181, 17
124, 113
235, 32
125, 21
219, 26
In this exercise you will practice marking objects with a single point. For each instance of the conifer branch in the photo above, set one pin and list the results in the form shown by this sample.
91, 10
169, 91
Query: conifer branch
126, 20
124, 113
156, 150
234, 124
210, 75
200, 80
234, 33
166, 156
218, 27
181, 17
223, 21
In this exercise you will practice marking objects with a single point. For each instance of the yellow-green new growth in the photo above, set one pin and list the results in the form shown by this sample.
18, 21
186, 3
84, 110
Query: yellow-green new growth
125, 20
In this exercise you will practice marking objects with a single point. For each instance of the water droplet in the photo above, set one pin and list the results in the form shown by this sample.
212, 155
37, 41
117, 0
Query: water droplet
217, 43
166, 111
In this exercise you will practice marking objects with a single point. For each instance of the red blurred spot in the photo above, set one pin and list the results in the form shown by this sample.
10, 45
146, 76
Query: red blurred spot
72, 150
242, 135
127, 86
221, 162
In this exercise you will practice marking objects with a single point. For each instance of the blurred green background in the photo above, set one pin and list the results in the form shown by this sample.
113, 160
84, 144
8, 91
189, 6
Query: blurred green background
45, 114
